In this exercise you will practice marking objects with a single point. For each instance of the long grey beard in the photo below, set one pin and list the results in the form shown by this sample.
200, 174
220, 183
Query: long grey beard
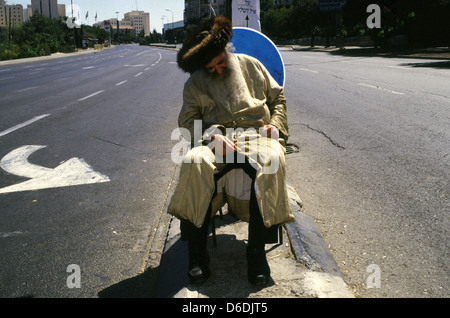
228, 90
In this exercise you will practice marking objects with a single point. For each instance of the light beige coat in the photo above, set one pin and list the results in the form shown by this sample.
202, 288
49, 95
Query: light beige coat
260, 101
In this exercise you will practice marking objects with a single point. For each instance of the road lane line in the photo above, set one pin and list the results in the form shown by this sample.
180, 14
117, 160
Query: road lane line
29, 122
308, 70
400, 67
381, 88
143, 52
27, 89
123, 82
10, 234
138, 74
89, 96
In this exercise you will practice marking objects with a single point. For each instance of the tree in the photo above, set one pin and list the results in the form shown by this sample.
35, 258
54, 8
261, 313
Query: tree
37, 37
423, 22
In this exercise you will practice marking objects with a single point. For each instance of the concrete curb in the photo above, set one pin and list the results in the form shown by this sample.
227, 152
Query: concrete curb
307, 242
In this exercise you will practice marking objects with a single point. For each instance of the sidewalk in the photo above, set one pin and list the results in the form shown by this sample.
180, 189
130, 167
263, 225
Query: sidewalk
301, 266
52, 56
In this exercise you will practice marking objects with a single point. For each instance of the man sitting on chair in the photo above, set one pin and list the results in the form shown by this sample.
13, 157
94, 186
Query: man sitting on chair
234, 114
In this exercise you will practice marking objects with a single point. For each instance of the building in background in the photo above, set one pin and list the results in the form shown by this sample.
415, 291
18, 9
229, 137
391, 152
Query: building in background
48, 8
10, 14
197, 9
174, 25
62, 10
134, 22
139, 20
123, 26
27, 12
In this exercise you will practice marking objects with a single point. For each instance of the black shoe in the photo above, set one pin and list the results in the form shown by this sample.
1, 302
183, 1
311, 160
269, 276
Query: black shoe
198, 271
258, 269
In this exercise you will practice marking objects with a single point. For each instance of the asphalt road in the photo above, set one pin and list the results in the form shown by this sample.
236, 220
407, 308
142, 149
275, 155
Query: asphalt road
373, 169
115, 111
374, 166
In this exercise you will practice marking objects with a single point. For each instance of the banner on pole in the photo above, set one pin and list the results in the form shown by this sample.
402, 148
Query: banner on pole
246, 13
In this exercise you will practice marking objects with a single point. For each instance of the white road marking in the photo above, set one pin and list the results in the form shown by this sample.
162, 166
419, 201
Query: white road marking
26, 89
143, 52
10, 234
92, 95
308, 70
381, 88
401, 67
123, 82
88, 67
138, 74
71, 173
10, 130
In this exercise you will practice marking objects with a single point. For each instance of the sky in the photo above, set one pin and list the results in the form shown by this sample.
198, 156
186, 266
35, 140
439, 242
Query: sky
106, 9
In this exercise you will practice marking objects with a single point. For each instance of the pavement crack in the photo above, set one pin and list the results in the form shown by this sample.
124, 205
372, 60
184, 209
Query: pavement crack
334, 143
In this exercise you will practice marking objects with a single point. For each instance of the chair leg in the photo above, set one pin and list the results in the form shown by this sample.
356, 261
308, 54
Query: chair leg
280, 234
213, 229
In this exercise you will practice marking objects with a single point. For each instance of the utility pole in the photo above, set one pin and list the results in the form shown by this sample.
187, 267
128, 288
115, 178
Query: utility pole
74, 32
117, 21
50, 8
9, 27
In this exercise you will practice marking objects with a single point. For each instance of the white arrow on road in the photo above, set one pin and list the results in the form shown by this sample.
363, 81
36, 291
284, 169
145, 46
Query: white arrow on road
72, 172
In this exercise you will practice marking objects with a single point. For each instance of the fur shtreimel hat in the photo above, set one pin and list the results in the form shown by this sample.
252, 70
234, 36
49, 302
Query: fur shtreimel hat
205, 43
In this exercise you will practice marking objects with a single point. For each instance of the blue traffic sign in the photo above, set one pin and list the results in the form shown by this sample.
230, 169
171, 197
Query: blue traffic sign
254, 43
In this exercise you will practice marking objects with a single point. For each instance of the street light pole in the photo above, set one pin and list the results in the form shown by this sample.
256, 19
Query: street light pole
117, 21
74, 31
172, 15
162, 19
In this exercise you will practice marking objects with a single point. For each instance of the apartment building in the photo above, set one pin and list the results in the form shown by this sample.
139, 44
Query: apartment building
49, 8
10, 14
62, 10
139, 20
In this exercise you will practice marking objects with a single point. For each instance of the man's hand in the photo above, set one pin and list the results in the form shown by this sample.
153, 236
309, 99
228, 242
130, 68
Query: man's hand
221, 145
270, 131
